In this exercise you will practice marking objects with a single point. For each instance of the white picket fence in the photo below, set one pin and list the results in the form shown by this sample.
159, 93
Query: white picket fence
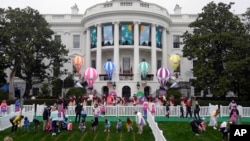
205, 111
158, 134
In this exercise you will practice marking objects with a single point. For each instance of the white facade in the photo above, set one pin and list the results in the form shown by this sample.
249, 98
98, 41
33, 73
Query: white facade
75, 31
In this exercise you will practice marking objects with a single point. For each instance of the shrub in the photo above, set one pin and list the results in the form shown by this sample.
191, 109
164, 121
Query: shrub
75, 92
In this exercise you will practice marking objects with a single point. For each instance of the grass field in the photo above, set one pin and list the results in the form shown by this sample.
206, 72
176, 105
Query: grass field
173, 131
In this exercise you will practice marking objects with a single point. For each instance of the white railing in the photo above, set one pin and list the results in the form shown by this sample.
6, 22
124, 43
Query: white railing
205, 111
27, 111
158, 134
129, 110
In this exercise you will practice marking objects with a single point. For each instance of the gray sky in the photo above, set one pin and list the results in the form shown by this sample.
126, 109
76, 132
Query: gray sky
63, 6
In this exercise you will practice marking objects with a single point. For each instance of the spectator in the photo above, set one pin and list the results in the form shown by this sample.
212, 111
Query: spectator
46, 114
4, 107
129, 124
104, 99
96, 111
152, 108
82, 125
167, 109
36, 124
140, 122
26, 124
196, 125
102, 109
93, 125
107, 125
54, 119
15, 121
213, 120
196, 110
78, 110
182, 107
118, 125
224, 128
134, 100
84, 114
188, 108
232, 104
233, 115
145, 108
17, 105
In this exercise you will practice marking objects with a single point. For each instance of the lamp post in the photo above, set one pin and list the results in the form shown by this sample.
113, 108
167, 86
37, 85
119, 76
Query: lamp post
138, 85
114, 85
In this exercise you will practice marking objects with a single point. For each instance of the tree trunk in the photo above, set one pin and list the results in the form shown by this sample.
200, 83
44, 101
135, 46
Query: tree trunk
11, 88
27, 89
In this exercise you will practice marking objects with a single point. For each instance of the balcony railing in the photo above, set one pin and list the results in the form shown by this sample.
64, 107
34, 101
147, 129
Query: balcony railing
126, 76
149, 77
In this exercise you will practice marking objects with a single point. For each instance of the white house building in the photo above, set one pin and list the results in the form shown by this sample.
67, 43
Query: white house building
125, 32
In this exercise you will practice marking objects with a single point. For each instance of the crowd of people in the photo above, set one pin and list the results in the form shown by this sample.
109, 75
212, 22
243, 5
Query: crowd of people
55, 119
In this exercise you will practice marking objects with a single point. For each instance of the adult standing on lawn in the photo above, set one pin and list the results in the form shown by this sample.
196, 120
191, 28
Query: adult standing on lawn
15, 121
140, 122
232, 105
188, 108
196, 110
46, 114
78, 110
96, 112
54, 119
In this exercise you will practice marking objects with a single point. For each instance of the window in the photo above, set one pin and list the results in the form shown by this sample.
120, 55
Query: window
126, 65
93, 37
159, 37
107, 35
126, 34
58, 37
158, 64
93, 64
76, 41
145, 35
176, 41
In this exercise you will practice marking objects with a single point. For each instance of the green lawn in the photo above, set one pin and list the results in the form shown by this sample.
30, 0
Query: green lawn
173, 129
181, 131
76, 135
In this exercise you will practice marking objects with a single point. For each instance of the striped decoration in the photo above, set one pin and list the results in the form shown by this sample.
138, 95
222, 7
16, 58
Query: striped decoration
109, 67
163, 75
144, 68
90, 75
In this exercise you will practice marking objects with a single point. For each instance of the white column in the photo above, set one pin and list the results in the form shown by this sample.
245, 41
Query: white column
87, 59
153, 50
116, 52
136, 52
164, 48
99, 50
